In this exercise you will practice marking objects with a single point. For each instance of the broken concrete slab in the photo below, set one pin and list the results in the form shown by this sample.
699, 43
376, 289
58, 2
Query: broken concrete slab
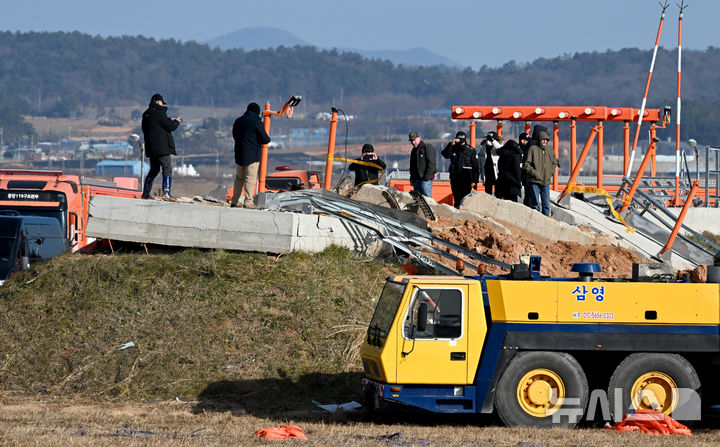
593, 216
190, 225
378, 195
529, 220
450, 212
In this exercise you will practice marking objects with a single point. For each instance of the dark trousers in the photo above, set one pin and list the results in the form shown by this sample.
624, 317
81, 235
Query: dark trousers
527, 190
504, 192
164, 162
461, 185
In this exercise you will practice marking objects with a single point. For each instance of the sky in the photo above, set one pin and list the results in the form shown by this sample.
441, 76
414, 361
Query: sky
470, 32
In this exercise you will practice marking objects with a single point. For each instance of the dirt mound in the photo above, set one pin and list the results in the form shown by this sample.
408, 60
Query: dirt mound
557, 257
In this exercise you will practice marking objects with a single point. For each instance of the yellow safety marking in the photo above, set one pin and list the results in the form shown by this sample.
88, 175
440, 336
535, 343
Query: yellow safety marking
579, 187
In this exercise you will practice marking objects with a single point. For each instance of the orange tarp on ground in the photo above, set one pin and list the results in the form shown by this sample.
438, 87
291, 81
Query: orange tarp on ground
651, 422
282, 432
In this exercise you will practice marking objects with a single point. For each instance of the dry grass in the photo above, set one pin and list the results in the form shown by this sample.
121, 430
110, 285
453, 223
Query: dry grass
79, 423
243, 341
204, 323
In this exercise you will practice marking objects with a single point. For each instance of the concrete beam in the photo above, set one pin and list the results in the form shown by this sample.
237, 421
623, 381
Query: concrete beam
207, 226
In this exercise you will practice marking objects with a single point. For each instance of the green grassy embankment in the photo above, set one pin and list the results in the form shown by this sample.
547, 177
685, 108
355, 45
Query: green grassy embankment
204, 323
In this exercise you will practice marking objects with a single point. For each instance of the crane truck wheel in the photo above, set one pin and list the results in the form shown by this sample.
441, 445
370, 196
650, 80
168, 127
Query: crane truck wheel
542, 389
655, 381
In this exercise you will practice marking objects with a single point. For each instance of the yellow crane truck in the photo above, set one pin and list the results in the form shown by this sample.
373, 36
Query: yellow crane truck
542, 351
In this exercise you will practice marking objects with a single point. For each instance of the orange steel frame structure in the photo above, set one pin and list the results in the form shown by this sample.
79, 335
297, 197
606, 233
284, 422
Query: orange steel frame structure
557, 114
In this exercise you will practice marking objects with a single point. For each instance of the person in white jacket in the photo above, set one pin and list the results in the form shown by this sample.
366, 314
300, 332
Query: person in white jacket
491, 143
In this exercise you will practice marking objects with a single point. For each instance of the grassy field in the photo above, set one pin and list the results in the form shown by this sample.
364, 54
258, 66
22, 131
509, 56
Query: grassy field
201, 323
223, 344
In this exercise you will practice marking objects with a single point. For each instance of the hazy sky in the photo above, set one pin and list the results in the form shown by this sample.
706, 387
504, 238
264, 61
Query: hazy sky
470, 32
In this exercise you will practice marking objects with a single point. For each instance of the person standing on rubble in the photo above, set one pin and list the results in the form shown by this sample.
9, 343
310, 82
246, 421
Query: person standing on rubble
249, 135
365, 173
540, 168
509, 183
422, 165
490, 144
524, 140
159, 144
464, 167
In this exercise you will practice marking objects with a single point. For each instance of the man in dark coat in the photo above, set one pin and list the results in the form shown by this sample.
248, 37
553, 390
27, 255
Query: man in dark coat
509, 173
423, 161
464, 167
365, 173
490, 144
524, 140
249, 135
159, 144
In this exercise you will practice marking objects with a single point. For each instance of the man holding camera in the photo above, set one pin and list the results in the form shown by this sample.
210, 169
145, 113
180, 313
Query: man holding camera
423, 161
464, 167
363, 172
159, 144
490, 144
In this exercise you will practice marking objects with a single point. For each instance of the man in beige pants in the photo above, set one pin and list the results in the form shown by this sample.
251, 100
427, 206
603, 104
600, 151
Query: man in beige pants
249, 135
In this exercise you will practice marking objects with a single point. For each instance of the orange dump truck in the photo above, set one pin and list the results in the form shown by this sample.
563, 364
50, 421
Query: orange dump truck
55, 194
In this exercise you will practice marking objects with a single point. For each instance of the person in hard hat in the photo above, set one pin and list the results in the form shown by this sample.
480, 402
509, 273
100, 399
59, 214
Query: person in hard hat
249, 135
159, 144
490, 144
509, 183
365, 173
464, 167
423, 161
540, 168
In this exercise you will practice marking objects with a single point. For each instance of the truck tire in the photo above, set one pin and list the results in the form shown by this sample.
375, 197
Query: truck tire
654, 380
542, 389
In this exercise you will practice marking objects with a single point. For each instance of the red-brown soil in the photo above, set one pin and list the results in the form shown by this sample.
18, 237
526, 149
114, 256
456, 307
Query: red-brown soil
557, 257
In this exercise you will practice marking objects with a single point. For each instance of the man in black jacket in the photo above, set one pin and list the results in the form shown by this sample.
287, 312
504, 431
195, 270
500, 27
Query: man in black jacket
249, 135
508, 185
159, 144
464, 167
365, 173
423, 161
524, 140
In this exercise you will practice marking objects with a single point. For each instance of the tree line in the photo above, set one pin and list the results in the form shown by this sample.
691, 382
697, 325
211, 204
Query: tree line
57, 73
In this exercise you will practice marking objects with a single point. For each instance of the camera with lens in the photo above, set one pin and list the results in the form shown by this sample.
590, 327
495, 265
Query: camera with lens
368, 156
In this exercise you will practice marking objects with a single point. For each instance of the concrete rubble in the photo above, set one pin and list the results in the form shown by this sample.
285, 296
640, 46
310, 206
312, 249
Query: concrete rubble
217, 226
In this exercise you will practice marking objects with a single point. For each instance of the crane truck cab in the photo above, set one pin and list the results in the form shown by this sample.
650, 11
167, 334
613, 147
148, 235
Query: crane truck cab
543, 351
26, 240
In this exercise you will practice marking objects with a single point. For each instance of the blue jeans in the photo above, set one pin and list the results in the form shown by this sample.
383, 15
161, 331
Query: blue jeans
544, 192
424, 187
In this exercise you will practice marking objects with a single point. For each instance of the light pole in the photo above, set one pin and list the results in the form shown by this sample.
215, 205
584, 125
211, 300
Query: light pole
135, 138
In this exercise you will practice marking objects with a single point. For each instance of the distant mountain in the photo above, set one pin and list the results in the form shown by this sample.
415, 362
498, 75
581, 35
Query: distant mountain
255, 39
267, 37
